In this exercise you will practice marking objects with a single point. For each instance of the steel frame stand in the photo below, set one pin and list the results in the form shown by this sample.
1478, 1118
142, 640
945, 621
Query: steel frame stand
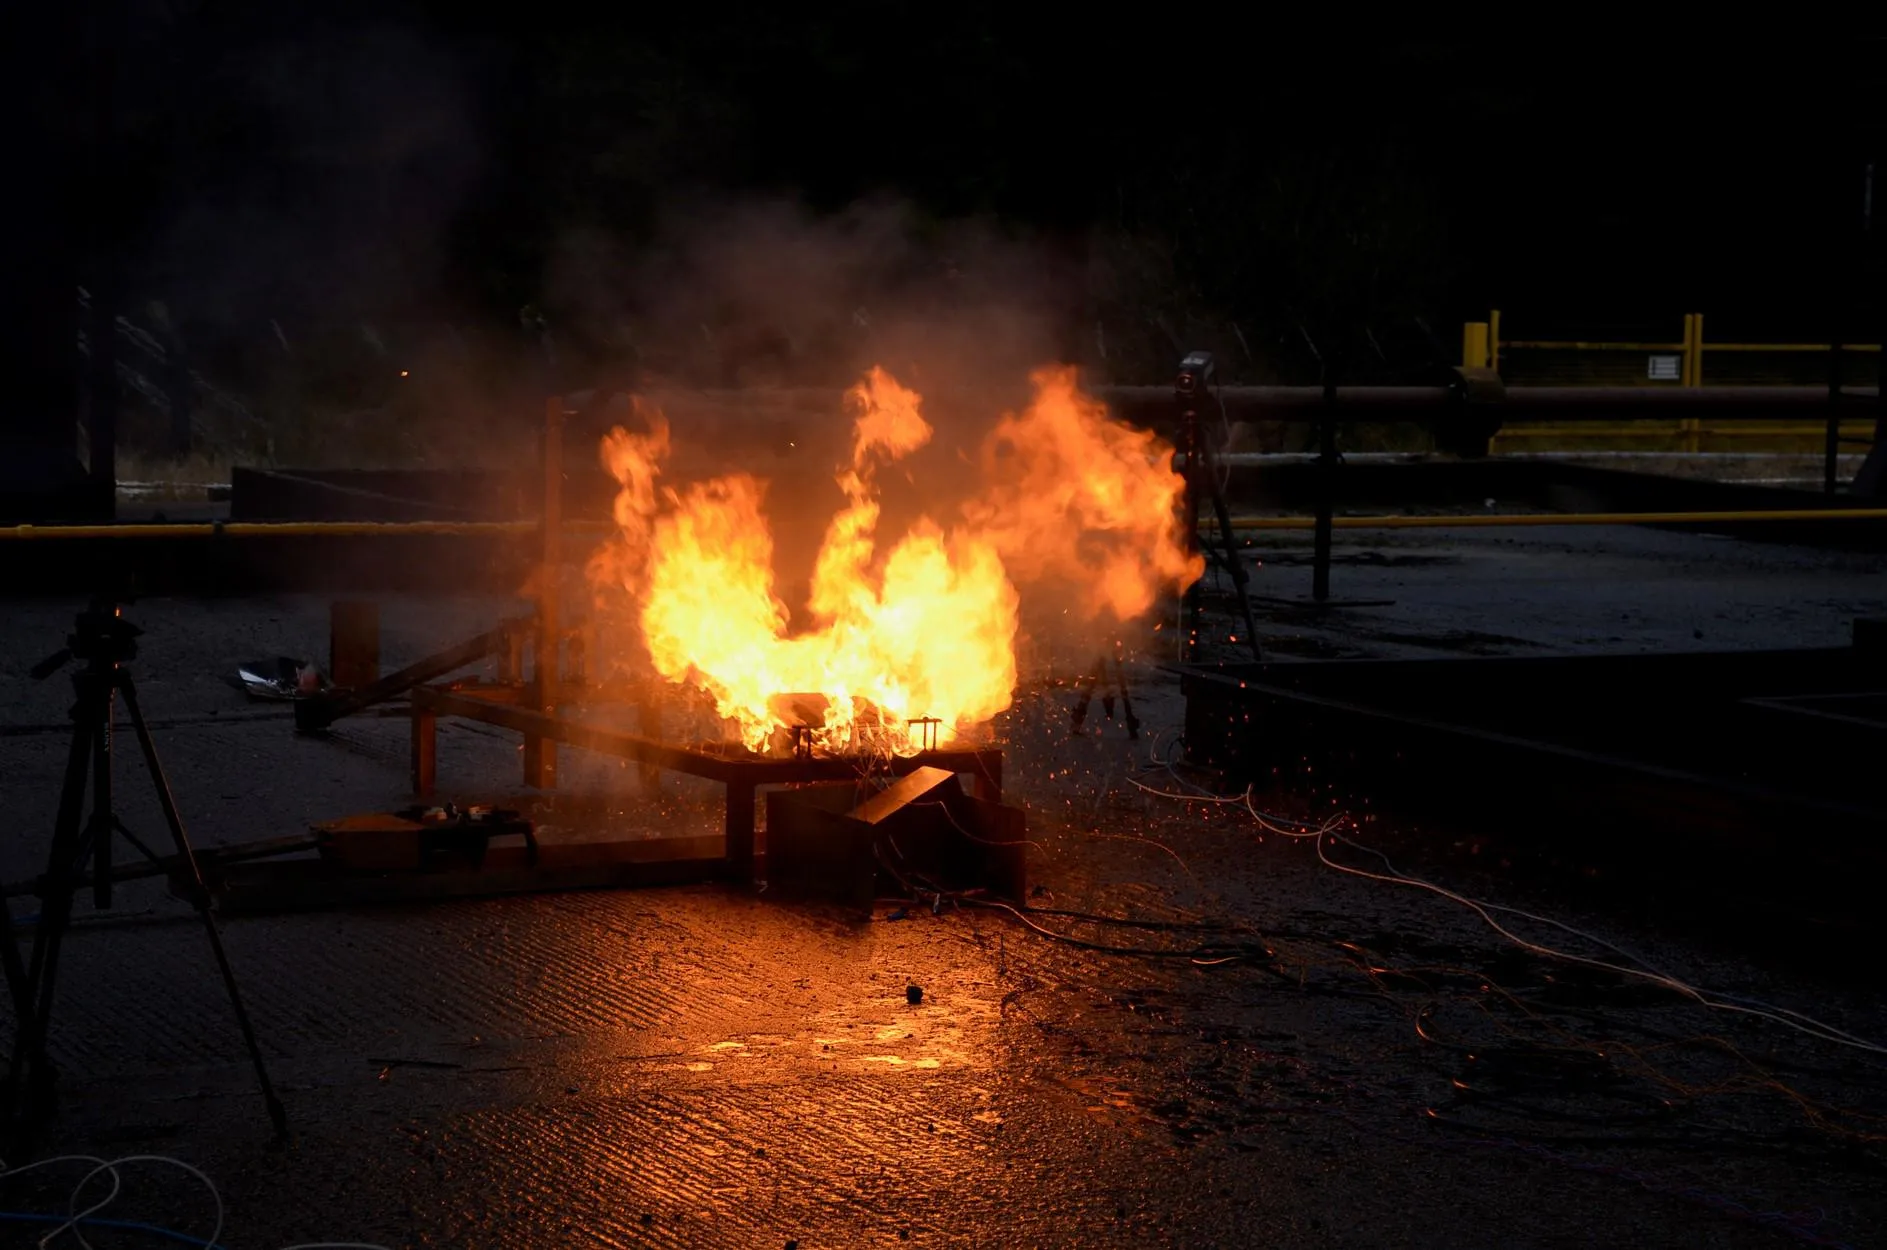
740, 773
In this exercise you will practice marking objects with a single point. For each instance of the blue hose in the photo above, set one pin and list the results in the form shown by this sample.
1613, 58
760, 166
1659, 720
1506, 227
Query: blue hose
168, 1234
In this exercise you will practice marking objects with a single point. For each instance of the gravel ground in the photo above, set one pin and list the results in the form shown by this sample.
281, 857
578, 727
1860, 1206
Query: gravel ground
1351, 1062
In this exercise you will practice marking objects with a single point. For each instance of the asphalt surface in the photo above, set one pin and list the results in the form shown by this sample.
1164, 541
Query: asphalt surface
1352, 1062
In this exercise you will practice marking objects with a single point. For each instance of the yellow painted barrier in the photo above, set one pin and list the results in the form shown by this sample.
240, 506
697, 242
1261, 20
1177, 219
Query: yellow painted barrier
1487, 520
1851, 431
1474, 345
1691, 349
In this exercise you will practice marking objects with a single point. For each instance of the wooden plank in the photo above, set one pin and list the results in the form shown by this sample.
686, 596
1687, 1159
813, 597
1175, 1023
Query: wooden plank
575, 733
750, 771
302, 884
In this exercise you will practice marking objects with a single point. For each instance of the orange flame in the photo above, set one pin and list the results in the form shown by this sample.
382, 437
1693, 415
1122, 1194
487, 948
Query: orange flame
929, 631
1077, 498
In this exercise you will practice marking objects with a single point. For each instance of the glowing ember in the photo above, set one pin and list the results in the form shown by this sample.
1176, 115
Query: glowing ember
1069, 496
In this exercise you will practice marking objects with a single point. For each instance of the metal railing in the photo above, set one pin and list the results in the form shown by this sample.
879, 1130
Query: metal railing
1678, 363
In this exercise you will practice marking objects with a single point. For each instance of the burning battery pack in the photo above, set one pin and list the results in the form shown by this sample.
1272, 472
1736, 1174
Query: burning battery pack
852, 844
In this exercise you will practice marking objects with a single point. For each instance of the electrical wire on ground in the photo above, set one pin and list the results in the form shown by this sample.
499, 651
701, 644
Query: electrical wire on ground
1323, 835
75, 1219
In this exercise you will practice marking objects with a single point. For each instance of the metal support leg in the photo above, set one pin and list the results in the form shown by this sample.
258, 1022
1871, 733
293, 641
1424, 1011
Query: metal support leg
425, 751
1326, 493
1831, 444
354, 643
740, 830
540, 754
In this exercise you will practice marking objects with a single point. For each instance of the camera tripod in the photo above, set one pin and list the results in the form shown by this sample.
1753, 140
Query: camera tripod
1197, 380
1079, 715
103, 642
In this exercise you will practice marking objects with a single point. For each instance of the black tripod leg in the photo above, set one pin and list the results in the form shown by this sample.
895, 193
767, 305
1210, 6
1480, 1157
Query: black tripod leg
201, 898
1194, 611
137, 843
17, 988
1079, 716
22, 995
29, 1074
20, 980
1126, 704
98, 839
1232, 560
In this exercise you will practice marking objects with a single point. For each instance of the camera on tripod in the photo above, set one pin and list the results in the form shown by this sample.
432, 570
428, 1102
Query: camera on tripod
105, 643
100, 636
1197, 376
1198, 445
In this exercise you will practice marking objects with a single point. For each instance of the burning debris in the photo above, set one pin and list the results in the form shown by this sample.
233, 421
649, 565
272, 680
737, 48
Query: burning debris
919, 643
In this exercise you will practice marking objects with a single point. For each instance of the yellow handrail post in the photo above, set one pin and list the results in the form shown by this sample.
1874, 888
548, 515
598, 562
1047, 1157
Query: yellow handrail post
1474, 345
1693, 373
1493, 340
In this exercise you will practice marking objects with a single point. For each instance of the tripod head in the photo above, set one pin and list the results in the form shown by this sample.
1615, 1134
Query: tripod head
1196, 384
101, 637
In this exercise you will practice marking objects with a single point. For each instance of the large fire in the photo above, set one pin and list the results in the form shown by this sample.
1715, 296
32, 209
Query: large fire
925, 634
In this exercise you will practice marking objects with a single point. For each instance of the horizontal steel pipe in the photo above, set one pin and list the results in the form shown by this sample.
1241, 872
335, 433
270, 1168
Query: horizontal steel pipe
1155, 404
291, 529
1483, 520
1151, 404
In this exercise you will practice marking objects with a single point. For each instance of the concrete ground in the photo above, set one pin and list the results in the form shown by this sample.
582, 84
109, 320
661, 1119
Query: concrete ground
1544, 590
1341, 1061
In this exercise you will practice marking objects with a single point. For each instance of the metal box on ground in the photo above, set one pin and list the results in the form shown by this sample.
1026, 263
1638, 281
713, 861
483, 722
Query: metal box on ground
847, 843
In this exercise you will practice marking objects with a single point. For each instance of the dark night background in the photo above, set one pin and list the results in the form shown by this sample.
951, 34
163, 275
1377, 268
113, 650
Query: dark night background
291, 171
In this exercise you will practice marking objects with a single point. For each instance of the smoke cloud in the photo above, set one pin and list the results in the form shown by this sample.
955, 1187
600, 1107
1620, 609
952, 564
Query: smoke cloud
743, 323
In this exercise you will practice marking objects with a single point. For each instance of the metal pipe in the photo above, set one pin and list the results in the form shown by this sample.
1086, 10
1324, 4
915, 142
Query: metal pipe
294, 529
399, 529
1482, 520
1580, 345
1326, 498
1154, 404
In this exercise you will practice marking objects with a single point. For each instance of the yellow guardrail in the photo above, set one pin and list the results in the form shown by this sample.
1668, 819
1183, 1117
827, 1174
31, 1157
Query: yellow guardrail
1493, 520
1482, 345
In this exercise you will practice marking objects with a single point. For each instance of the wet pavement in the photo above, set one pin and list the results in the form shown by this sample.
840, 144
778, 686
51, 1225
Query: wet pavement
1332, 1061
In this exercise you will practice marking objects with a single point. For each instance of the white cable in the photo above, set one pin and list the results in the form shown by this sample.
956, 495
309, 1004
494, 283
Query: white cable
76, 1218
1737, 1004
117, 1183
1185, 798
1793, 1019
6, 1172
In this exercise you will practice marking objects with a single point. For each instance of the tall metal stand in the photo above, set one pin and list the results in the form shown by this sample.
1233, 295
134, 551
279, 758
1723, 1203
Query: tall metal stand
1326, 489
1078, 716
1196, 378
104, 641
